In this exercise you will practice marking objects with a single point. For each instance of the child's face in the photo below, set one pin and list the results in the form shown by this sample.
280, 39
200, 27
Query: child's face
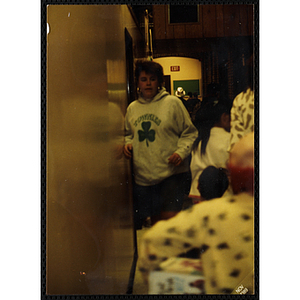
148, 85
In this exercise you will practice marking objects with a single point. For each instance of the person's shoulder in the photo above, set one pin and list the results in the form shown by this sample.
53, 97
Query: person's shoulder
230, 205
219, 131
244, 96
217, 204
169, 97
174, 102
206, 207
219, 134
132, 104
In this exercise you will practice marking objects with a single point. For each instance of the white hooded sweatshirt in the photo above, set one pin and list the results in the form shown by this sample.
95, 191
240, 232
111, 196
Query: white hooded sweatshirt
156, 130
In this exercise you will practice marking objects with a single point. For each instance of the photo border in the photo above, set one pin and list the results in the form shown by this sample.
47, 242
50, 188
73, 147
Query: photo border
44, 296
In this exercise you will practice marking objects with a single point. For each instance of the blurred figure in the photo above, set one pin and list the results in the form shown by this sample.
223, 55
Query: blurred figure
212, 183
210, 147
213, 90
242, 112
158, 136
193, 104
223, 230
180, 93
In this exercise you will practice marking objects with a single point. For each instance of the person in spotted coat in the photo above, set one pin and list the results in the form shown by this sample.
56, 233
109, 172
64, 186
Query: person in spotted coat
223, 230
242, 116
242, 111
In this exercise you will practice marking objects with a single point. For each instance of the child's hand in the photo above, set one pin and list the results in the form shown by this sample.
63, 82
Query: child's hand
127, 150
175, 159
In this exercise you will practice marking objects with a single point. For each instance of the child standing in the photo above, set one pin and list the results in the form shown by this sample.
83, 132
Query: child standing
210, 148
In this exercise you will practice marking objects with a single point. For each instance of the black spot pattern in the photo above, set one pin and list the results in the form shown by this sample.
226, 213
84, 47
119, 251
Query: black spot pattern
238, 256
235, 273
213, 264
190, 232
237, 128
249, 118
168, 242
231, 200
226, 290
203, 248
147, 241
205, 221
213, 283
172, 230
222, 216
211, 231
143, 270
187, 245
245, 217
247, 238
223, 246
152, 257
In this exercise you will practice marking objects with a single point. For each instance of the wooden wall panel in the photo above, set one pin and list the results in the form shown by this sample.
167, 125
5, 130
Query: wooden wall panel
179, 31
159, 22
209, 21
170, 32
250, 20
232, 20
193, 31
214, 21
244, 20
169, 28
220, 20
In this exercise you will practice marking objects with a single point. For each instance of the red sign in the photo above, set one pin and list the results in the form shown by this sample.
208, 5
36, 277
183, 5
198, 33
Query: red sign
175, 68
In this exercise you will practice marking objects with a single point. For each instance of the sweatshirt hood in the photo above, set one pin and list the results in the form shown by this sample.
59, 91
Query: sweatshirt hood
162, 93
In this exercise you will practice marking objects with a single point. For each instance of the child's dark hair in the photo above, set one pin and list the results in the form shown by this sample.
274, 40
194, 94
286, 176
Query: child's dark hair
206, 117
149, 67
213, 182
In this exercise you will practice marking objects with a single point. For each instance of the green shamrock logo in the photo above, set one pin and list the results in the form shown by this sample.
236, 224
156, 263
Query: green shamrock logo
146, 134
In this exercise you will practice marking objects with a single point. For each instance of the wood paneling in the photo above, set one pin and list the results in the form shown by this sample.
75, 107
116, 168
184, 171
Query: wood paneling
160, 22
193, 31
244, 20
250, 19
170, 32
169, 28
232, 20
220, 20
209, 21
179, 31
214, 21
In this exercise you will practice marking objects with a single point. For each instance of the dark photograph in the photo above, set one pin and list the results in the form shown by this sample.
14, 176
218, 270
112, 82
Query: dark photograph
149, 149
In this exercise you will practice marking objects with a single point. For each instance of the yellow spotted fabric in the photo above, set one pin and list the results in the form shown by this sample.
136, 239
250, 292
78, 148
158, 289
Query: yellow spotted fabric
223, 229
242, 116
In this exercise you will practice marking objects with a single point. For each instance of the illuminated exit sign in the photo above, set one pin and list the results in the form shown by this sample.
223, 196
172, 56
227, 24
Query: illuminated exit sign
175, 68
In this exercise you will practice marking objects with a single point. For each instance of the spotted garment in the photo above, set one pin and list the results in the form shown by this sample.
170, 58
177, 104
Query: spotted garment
223, 230
242, 116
